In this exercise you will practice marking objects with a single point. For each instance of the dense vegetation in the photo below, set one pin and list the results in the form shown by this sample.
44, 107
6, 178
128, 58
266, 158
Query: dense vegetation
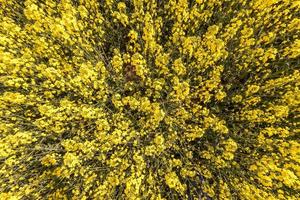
145, 99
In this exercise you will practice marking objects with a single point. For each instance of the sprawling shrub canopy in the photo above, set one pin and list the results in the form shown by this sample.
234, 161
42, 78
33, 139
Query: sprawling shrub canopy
145, 99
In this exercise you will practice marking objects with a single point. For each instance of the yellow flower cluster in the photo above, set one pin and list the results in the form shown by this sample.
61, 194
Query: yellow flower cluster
149, 99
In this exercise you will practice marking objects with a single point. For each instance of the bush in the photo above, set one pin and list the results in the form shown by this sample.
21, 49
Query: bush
149, 99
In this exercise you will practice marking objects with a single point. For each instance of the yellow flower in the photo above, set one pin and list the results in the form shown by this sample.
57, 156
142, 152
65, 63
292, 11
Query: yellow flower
159, 140
49, 160
71, 160
11, 97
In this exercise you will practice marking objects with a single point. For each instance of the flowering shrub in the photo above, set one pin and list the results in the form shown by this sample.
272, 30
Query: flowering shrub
144, 99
